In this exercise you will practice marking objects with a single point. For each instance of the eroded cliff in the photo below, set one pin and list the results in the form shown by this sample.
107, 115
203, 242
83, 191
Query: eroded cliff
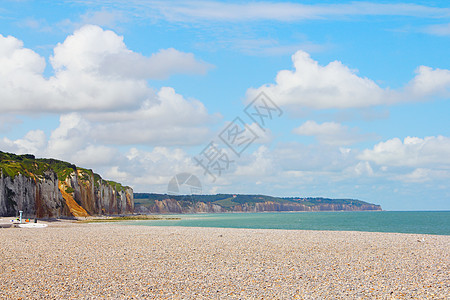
51, 188
157, 203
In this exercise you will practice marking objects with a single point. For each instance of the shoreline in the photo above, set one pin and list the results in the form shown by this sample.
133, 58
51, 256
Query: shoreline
129, 219
93, 260
276, 229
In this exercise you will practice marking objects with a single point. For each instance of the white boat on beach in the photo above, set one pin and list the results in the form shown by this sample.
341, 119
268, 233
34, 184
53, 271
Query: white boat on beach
32, 225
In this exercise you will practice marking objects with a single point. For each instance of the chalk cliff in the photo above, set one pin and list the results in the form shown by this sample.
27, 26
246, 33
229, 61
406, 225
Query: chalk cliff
50, 188
158, 203
179, 207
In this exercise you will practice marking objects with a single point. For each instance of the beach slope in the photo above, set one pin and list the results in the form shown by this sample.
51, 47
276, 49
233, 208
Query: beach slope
116, 261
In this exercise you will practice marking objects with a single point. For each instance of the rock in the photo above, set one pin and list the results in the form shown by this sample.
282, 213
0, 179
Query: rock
41, 190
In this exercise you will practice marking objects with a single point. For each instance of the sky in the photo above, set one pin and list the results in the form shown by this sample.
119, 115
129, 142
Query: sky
303, 98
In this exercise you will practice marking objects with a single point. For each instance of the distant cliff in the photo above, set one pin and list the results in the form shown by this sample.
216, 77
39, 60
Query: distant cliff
158, 203
52, 188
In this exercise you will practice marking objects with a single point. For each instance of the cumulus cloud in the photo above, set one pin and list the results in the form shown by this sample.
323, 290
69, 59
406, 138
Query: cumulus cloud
102, 104
89, 139
92, 49
265, 136
429, 152
156, 167
260, 164
72, 133
96, 155
93, 71
334, 85
145, 169
429, 82
33, 142
171, 120
330, 133
360, 169
337, 86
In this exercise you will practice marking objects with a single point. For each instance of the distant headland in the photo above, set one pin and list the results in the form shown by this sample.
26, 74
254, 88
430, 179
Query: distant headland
163, 203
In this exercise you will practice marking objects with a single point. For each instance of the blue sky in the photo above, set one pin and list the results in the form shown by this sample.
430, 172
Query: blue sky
136, 89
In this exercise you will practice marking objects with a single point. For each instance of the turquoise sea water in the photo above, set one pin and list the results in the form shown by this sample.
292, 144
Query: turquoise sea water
436, 222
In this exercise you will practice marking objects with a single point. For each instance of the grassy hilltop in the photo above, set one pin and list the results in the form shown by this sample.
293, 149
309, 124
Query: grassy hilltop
11, 165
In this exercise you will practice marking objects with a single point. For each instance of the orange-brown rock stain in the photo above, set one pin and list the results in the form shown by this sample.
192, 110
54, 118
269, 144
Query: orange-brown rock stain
38, 199
75, 209
129, 202
41, 209
86, 192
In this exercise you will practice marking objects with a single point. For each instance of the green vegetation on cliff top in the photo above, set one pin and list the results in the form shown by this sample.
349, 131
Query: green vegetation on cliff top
11, 165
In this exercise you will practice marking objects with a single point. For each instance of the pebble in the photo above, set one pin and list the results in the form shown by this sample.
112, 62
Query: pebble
93, 261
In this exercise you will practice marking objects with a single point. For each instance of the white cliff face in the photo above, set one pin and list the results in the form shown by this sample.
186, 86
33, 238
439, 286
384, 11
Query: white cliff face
34, 196
106, 198
110, 200
44, 196
51, 188
17, 194
49, 201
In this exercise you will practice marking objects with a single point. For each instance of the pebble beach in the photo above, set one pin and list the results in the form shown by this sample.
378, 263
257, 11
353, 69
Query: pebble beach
107, 260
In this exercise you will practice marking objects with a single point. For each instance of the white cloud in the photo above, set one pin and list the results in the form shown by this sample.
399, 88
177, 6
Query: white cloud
92, 49
331, 86
94, 70
87, 139
264, 136
71, 136
7, 122
330, 133
100, 87
35, 24
261, 164
117, 175
429, 82
429, 152
336, 86
72, 142
313, 157
103, 18
167, 120
156, 167
215, 11
96, 155
33, 142
265, 47
360, 169
439, 29
421, 175
158, 66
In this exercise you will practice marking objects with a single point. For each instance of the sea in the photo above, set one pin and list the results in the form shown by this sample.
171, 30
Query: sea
419, 222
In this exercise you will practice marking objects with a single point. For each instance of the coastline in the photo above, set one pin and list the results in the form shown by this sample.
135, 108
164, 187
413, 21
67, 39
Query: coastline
365, 221
114, 261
